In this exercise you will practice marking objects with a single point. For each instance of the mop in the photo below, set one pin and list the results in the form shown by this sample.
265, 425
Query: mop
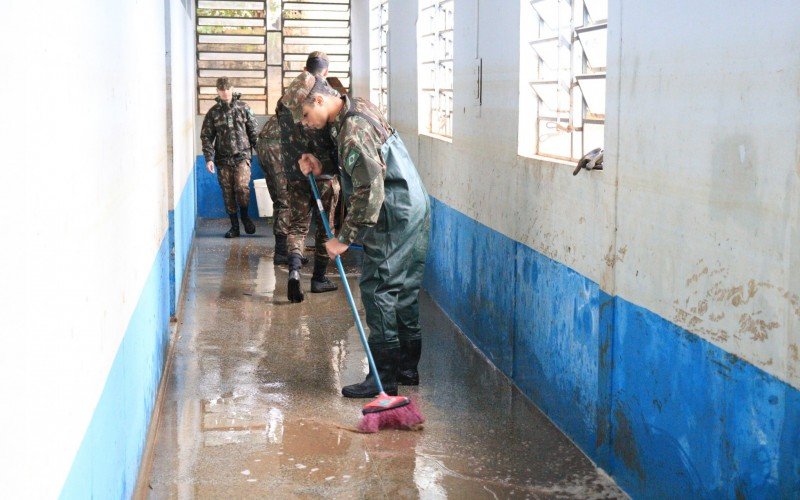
384, 412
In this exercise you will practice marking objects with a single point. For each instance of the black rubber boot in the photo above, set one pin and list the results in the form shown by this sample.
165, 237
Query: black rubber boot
247, 222
386, 360
407, 373
281, 256
233, 232
295, 292
319, 283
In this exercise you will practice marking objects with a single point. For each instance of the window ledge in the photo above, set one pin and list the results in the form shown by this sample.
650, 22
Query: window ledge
437, 136
549, 159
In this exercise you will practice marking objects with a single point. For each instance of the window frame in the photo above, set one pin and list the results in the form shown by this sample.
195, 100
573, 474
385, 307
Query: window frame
436, 99
569, 126
265, 27
379, 54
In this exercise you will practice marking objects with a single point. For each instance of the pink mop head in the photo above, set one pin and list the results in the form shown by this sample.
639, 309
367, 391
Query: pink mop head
406, 417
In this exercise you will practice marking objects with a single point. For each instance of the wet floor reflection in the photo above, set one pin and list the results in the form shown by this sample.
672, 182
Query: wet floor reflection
265, 278
253, 407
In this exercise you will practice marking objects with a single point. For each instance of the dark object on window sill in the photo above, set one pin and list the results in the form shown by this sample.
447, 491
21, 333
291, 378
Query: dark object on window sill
593, 160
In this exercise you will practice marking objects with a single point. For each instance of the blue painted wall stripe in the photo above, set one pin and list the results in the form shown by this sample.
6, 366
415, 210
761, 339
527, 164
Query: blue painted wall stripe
185, 217
690, 419
209, 194
662, 410
171, 246
107, 462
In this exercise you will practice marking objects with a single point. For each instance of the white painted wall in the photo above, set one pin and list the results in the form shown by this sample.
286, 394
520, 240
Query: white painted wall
402, 70
85, 206
708, 112
702, 130
184, 104
359, 35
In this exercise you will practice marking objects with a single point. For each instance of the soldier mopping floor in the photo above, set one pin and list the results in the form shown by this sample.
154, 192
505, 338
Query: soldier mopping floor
389, 212
397, 412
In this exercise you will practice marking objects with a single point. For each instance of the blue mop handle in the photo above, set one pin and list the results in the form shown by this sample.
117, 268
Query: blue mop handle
346, 285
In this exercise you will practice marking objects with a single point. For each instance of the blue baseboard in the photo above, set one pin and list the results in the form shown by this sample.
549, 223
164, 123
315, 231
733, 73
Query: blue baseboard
467, 276
185, 218
691, 420
171, 245
562, 331
108, 460
209, 194
662, 410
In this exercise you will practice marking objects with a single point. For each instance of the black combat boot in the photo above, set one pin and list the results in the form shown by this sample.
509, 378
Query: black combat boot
386, 360
295, 292
233, 232
319, 283
407, 373
247, 222
281, 255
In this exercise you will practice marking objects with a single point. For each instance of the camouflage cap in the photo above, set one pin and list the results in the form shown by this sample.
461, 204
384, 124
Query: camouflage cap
296, 94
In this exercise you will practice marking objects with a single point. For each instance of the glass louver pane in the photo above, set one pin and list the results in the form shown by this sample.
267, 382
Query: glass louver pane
593, 88
594, 43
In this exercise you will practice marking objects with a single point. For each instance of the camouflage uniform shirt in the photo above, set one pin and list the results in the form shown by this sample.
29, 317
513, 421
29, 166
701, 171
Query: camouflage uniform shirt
228, 133
296, 140
321, 145
359, 148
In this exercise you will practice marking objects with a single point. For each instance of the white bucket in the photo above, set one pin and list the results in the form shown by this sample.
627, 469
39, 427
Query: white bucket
263, 199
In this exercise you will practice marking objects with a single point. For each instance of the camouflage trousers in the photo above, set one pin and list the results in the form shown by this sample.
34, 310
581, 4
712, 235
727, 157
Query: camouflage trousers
271, 158
235, 183
302, 207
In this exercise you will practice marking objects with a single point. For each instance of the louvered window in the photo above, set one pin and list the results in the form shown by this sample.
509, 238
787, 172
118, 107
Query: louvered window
262, 45
378, 54
435, 31
563, 60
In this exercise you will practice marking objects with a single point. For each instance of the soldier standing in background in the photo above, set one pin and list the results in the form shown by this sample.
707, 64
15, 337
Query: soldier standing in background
228, 134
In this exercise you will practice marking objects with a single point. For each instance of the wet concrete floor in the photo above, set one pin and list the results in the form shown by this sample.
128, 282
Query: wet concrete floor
253, 408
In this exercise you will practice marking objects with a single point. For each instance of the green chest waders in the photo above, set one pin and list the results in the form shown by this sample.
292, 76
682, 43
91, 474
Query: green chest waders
395, 248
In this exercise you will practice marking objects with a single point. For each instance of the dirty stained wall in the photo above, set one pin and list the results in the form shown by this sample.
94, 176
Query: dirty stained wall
709, 174
651, 309
707, 213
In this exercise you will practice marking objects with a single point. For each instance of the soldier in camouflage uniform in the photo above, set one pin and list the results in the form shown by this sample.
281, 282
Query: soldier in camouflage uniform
274, 160
389, 212
228, 134
281, 144
302, 207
